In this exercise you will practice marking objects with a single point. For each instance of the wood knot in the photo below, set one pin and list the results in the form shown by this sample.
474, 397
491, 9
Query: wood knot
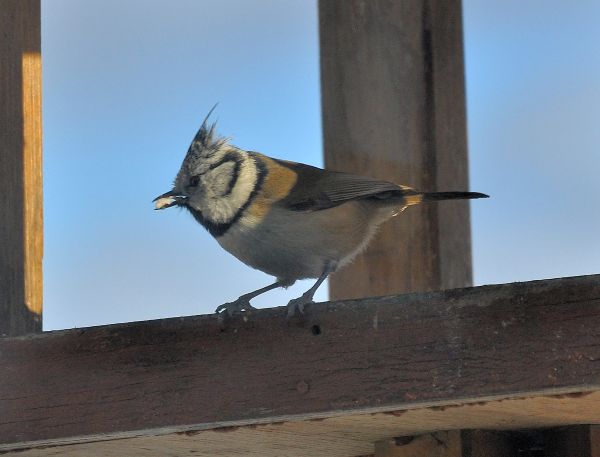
302, 387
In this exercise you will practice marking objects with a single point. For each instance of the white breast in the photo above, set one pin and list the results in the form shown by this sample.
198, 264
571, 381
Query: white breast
294, 245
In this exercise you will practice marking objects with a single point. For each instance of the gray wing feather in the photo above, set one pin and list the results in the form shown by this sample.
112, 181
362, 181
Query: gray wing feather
321, 189
341, 187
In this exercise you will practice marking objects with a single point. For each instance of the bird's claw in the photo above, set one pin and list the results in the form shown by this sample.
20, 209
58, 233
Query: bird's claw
297, 304
235, 307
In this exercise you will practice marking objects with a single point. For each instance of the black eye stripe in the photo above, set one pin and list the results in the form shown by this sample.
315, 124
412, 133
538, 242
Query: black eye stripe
229, 157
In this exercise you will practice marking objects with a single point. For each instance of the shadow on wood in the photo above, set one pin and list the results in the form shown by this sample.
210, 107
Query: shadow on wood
454, 443
573, 441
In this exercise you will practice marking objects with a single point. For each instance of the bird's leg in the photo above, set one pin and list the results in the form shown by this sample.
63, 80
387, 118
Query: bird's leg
243, 302
307, 297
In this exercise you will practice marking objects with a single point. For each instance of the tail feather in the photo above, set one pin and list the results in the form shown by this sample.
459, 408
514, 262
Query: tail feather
412, 197
434, 196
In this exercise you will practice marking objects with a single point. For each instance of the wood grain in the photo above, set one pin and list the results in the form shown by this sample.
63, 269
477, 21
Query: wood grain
20, 168
393, 102
340, 436
379, 354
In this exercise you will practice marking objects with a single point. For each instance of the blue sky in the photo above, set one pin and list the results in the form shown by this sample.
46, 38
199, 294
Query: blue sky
126, 84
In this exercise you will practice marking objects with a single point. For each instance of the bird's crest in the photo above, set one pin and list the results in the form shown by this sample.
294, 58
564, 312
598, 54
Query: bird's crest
207, 141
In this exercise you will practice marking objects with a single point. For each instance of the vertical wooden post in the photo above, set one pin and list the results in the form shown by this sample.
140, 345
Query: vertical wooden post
393, 97
20, 168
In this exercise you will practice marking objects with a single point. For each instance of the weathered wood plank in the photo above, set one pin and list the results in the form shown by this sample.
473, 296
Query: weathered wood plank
20, 168
343, 436
393, 101
370, 355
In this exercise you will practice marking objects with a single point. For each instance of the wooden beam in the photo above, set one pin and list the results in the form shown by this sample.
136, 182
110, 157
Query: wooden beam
346, 435
20, 168
393, 101
356, 357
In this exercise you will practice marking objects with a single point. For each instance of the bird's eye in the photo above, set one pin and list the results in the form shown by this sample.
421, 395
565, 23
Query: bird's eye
194, 180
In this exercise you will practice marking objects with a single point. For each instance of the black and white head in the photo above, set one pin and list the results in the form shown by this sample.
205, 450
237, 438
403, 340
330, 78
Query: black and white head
214, 182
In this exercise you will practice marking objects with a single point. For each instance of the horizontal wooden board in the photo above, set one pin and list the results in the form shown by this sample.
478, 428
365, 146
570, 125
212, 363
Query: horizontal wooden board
342, 436
342, 358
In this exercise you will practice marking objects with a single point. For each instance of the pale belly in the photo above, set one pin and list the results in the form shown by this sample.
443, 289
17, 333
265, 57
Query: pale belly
295, 245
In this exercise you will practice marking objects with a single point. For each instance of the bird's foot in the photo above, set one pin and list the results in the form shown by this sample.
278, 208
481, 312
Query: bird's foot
297, 304
234, 307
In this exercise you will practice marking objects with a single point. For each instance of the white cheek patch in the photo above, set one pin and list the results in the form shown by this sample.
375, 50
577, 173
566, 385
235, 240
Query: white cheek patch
218, 181
220, 206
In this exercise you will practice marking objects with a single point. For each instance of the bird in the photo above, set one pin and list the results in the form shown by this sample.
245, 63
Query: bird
290, 220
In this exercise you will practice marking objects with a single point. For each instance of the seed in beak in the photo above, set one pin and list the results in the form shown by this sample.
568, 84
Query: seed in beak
164, 202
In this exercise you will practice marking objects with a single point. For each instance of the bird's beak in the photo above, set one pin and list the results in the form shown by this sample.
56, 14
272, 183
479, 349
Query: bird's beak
168, 199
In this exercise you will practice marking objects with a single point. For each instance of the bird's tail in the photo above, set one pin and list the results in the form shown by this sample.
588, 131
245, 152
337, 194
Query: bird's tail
419, 197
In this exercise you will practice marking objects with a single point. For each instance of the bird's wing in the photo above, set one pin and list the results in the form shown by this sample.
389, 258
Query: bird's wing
318, 189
